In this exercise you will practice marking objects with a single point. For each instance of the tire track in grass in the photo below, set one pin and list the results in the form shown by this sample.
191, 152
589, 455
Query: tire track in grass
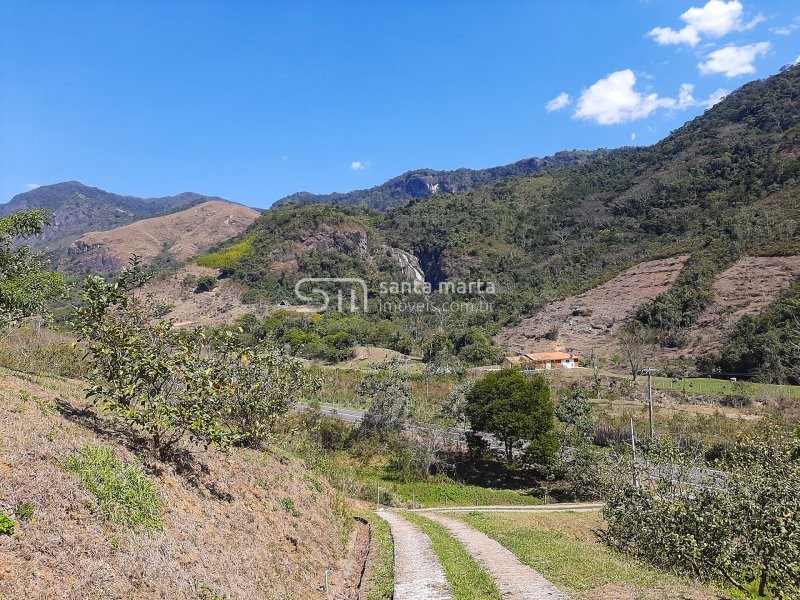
418, 574
468, 580
515, 580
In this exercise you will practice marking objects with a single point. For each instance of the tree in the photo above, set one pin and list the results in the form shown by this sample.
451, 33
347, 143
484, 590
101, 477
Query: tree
740, 524
257, 385
573, 411
389, 392
454, 406
635, 340
26, 287
515, 410
168, 383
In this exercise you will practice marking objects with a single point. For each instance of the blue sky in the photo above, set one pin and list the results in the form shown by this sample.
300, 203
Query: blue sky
255, 100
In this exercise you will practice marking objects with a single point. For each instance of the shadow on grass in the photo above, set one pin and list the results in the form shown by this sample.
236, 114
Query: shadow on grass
180, 459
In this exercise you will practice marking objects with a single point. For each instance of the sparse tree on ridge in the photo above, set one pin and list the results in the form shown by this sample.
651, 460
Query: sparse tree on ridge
26, 286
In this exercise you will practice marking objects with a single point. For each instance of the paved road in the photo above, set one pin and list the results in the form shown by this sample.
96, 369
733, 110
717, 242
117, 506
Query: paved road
539, 508
418, 574
514, 580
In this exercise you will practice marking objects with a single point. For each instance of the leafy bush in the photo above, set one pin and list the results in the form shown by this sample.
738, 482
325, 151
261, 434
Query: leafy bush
171, 383
388, 392
740, 526
256, 386
7, 524
123, 492
26, 288
206, 283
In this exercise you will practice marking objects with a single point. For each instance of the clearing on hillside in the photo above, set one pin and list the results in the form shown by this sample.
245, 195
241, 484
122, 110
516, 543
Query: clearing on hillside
592, 318
746, 288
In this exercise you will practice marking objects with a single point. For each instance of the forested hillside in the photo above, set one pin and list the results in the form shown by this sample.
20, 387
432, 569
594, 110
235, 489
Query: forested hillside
722, 186
423, 183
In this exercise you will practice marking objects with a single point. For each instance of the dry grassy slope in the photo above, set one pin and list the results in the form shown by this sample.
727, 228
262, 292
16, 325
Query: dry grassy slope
185, 234
225, 527
746, 288
177, 291
591, 319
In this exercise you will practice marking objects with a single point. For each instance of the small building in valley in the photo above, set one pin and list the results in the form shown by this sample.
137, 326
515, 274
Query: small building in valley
509, 362
542, 360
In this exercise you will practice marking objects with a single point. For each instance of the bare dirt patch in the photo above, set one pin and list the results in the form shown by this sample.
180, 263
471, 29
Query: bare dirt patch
746, 288
591, 319
176, 293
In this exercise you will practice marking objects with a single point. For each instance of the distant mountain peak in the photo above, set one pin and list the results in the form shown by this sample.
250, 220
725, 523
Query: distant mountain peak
424, 183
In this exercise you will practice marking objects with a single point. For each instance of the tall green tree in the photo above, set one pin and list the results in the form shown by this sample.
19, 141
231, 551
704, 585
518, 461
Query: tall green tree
26, 286
516, 410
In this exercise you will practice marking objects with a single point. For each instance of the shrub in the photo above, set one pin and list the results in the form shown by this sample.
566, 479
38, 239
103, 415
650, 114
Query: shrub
155, 377
740, 525
25, 511
7, 524
206, 283
123, 492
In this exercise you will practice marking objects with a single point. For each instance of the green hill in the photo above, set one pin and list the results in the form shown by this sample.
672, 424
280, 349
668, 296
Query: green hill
722, 186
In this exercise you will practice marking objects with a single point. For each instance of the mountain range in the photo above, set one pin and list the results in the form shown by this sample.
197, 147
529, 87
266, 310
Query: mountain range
424, 183
79, 208
722, 187
716, 191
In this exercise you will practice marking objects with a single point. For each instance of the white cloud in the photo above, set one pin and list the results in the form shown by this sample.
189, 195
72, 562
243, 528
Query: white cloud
716, 19
358, 165
633, 137
787, 29
614, 100
561, 101
796, 61
33, 186
733, 60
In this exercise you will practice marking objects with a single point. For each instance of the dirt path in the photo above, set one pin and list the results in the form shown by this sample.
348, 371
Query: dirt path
536, 508
418, 574
514, 580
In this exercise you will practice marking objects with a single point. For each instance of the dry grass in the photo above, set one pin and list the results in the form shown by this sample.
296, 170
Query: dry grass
225, 529
564, 548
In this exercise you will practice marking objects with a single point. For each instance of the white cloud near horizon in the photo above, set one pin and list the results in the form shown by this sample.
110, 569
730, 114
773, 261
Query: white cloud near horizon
614, 99
358, 165
561, 101
715, 19
32, 186
734, 60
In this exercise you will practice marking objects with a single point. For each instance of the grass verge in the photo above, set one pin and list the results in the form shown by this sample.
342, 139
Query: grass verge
468, 581
123, 492
564, 548
380, 568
